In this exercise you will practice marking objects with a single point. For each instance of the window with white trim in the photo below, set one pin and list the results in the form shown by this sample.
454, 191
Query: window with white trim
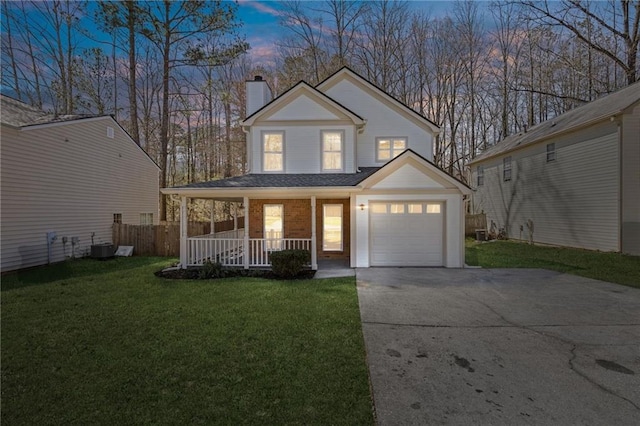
332, 150
551, 152
146, 218
273, 226
506, 172
389, 148
480, 176
273, 151
332, 227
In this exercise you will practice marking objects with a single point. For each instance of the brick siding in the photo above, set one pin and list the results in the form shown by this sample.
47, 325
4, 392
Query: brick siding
297, 222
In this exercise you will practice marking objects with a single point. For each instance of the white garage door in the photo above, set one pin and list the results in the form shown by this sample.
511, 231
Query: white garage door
406, 234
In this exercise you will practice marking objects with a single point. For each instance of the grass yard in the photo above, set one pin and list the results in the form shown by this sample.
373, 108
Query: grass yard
611, 267
87, 342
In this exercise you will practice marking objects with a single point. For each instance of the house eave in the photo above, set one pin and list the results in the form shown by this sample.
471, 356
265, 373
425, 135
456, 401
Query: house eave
258, 192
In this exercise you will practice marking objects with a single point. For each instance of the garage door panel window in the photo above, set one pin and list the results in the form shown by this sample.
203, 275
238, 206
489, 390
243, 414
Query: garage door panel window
397, 208
379, 208
332, 227
415, 208
433, 208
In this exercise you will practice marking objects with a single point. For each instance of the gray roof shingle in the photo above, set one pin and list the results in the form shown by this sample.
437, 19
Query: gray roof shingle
18, 114
298, 180
599, 109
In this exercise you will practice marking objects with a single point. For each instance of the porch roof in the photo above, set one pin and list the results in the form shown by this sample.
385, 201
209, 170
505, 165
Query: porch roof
297, 180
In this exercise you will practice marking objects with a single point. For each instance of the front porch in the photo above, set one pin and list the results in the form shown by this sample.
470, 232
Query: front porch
321, 226
231, 248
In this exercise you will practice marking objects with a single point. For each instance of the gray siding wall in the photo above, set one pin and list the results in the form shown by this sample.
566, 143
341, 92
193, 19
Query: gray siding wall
631, 182
71, 179
572, 201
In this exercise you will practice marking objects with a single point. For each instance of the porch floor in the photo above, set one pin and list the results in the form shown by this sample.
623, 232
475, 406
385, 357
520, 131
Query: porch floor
334, 269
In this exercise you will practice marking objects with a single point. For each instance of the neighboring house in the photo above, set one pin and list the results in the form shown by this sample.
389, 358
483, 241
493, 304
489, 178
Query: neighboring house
341, 169
69, 175
571, 181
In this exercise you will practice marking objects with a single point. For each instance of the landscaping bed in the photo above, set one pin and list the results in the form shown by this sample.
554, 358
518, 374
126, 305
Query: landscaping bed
197, 273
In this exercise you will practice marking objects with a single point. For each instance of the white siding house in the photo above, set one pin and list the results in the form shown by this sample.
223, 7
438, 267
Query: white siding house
573, 180
341, 169
70, 175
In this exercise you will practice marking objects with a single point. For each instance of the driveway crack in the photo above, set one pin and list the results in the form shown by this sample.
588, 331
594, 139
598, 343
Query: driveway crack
572, 351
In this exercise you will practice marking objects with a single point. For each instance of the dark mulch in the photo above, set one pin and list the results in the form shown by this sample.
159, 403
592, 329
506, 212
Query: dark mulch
196, 274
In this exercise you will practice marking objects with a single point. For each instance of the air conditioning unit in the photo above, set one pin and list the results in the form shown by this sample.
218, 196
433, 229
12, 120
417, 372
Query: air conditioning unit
102, 251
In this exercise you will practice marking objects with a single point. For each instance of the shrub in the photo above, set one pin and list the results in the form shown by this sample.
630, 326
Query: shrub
289, 263
211, 270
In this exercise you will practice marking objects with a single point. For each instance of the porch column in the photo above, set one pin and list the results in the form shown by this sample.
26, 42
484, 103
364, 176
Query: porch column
247, 249
184, 222
314, 254
235, 219
213, 216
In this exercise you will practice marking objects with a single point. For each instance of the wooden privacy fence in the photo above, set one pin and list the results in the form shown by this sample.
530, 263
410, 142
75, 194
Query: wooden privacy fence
162, 239
473, 222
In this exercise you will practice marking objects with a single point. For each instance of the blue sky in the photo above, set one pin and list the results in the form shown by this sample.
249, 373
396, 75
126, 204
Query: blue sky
262, 28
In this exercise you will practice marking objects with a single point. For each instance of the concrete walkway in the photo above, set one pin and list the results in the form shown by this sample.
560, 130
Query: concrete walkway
512, 347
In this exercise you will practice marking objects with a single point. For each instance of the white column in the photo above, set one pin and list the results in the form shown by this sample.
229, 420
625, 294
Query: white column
213, 216
235, 218
314, 254
247, 249
184, 223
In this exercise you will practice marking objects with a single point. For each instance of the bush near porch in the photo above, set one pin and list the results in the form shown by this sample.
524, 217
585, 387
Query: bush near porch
612, 267
89, 342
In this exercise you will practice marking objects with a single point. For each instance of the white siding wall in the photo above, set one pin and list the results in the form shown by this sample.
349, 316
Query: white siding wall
302, 147
572, 201
70, 179
631, 182
382, 120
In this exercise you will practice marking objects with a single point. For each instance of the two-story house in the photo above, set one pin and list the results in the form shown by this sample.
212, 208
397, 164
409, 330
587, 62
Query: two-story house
341, 169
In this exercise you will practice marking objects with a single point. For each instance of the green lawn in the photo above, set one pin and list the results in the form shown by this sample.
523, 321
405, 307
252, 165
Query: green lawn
87, 342
612, 267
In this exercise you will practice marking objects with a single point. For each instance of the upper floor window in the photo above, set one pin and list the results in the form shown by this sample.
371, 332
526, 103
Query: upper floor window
389, 148
506, 172
551, 152
480, 176
273, 151
331, 150
117, 218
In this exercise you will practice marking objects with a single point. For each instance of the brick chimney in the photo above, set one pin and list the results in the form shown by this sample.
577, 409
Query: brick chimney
258, 94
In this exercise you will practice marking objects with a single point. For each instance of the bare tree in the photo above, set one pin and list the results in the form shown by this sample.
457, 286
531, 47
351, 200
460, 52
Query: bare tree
573, 14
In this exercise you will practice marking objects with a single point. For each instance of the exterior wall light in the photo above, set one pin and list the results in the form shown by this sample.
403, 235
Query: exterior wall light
361, 206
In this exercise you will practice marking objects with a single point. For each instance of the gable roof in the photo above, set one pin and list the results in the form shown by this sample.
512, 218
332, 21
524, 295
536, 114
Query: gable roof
366, 177
411, 157
404, 109
596, 111
302, 88
15, 113
22, 116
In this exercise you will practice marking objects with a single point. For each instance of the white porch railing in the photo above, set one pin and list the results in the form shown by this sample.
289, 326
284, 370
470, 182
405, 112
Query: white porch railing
232, 251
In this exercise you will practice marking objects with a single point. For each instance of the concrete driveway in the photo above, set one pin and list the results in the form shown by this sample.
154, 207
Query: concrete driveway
501, 346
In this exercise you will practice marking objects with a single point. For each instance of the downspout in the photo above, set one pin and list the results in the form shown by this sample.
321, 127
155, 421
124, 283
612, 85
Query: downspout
620, 183
247, 131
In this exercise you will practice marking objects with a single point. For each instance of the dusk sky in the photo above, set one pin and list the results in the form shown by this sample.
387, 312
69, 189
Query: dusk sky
262, 27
